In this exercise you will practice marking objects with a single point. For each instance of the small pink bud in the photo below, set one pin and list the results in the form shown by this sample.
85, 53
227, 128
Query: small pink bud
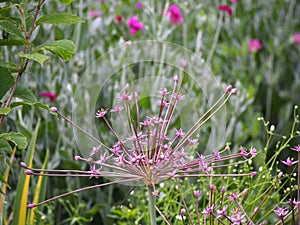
212, 188
223, 189
182, 212
184, 63
90, 159
155, 193
30, 206
245, 192
280, 174
253, 174
197, 193
234, 90
175, 78
227, 148
53, 109
23, 165
77, 157
28, 172
228, 89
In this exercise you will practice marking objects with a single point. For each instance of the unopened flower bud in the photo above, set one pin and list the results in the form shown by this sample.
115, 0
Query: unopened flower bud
23, 165
234, 90
253, 174
53, 109
184, 63
197, 194
30, 206
280, 174
272, 128
182, 212
175, 78
212, 188
223, 189
77, 157
245, 192
28, 172
228, 89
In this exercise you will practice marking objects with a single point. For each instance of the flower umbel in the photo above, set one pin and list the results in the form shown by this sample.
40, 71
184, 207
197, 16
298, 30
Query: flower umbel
151, 151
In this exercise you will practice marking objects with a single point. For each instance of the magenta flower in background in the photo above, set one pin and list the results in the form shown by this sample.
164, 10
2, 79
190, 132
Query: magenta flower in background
139, 5
49, 95
119, 19
94, 13
254, 45
226, 8
296, 38
135, 25
175, 14
233, 1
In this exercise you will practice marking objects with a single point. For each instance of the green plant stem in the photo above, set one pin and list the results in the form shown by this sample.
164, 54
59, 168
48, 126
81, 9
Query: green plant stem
298, 194
23, 64
152, 210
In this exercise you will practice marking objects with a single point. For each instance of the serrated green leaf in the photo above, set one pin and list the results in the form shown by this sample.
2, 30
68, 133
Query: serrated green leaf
6, 81
11, 28
17, 138
25, 94
62, 48
4, 145
66, 1
4, 111
11, 42
59, 18
40, 58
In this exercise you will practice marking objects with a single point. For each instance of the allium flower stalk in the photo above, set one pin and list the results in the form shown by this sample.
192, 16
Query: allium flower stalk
151, 152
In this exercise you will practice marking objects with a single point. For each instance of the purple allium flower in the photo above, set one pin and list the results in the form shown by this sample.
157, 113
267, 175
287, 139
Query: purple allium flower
296, 148
222, 212
233, 196
281, 212
101, 113
289, 162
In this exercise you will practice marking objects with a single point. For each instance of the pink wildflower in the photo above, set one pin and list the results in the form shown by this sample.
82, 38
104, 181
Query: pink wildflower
254, 45
49, 95
139, 5
119, 19
135, 25
94, 13
296, 148
296, 38
289, 162
226, 8
175, 15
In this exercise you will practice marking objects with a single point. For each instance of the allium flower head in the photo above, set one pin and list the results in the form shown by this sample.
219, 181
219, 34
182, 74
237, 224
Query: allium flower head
150, 151
296, 148
289, 162
281, 212
135, 25
254, 45
175, 15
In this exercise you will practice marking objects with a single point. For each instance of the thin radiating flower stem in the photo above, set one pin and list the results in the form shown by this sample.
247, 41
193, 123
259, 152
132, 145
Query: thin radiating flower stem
242, 209
162, 215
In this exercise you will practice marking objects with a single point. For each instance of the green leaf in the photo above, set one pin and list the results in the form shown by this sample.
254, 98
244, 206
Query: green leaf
6, 81
62, 48
10, 66
9, 27
4, 111
20, 209
35, 104
4, 145
66, 1
17, 138
11, 41
59, 18
25, 94
40, 58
